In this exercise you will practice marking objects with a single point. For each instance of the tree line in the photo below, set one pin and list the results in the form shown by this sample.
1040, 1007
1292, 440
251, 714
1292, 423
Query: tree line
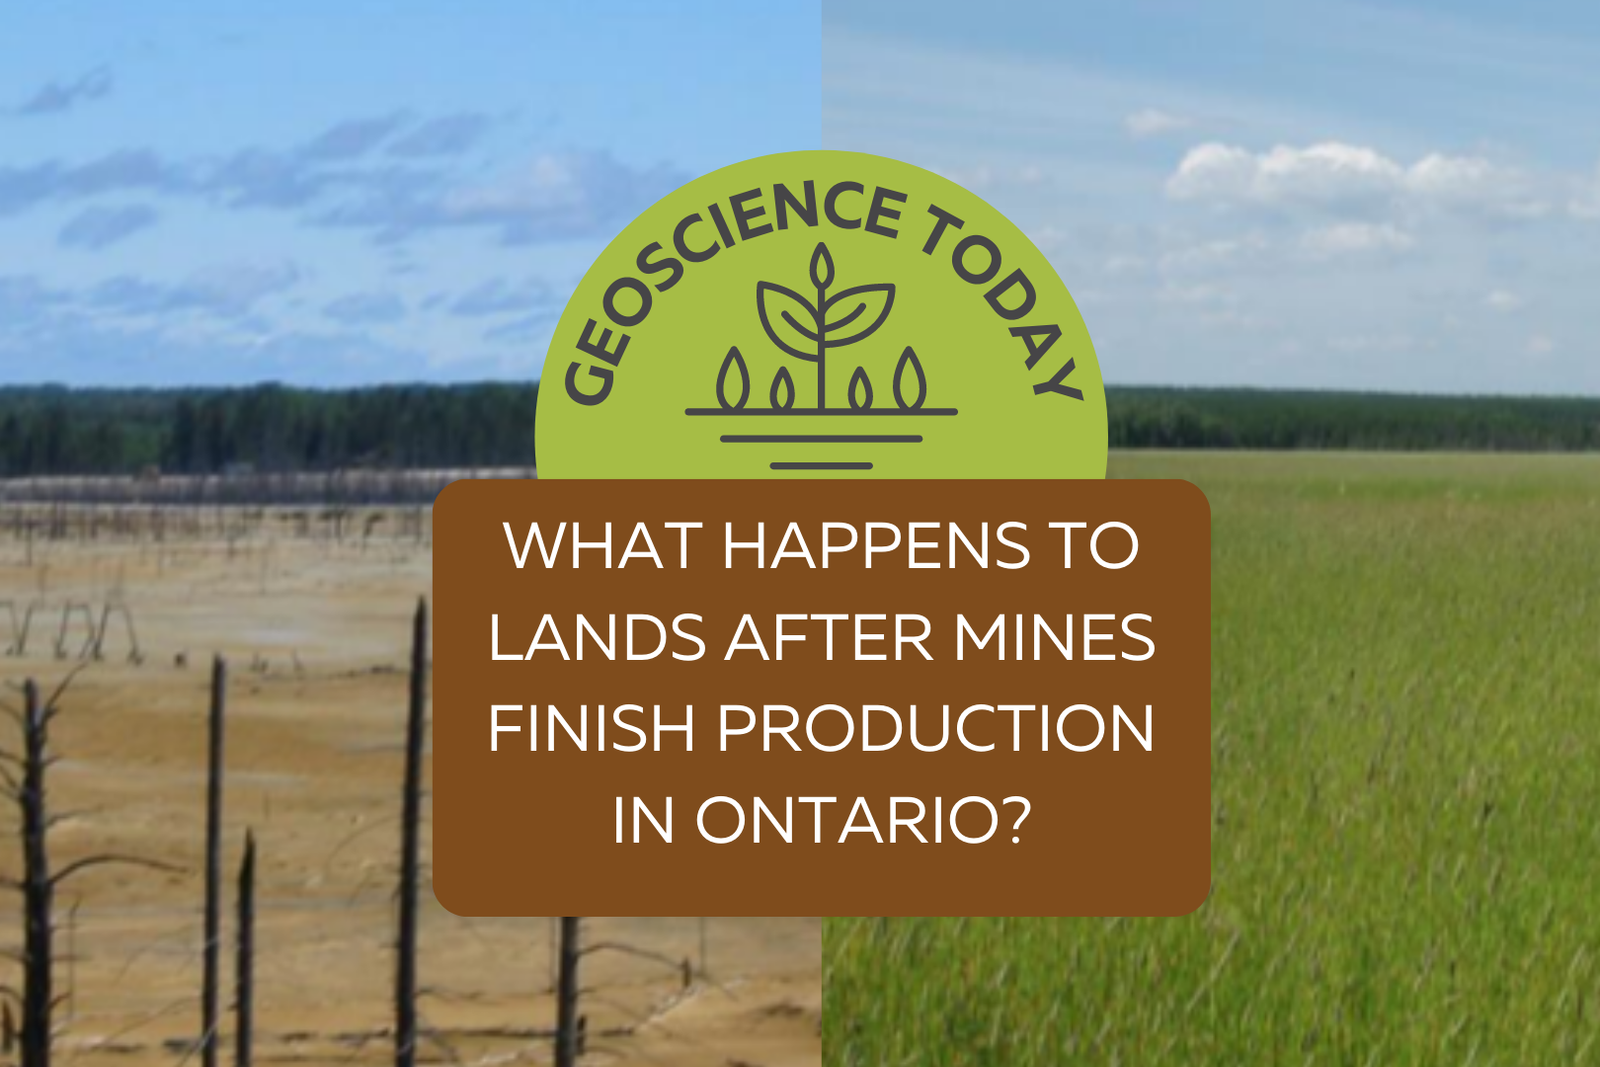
50, 430
1158, 417
54, 430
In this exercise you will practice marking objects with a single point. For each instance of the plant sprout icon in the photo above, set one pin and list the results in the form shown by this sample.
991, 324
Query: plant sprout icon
802, 328
809, 330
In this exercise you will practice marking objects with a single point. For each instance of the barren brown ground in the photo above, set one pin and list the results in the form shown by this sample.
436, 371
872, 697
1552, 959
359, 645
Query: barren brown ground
315, 631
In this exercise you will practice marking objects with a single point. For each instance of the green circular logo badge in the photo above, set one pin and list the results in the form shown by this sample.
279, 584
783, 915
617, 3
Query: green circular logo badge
821, 314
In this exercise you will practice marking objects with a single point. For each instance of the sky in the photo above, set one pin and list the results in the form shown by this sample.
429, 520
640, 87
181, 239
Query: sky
340, 194
1395, 197
1400, 197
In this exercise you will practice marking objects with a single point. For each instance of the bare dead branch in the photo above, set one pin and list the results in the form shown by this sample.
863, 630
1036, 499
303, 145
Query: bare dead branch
50, 707
95, 861
633, 950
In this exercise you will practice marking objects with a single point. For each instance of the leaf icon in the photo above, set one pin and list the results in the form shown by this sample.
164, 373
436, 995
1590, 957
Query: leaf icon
871, 305
789, 319
781, 395
807, 330
735, 361
908, 358
859, 382
821, 267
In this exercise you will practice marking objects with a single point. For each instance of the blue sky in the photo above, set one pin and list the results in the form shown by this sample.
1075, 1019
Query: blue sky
1372, 196
346, 193
1369, 196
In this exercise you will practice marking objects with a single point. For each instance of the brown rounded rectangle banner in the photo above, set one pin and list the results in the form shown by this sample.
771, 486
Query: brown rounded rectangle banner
822, 697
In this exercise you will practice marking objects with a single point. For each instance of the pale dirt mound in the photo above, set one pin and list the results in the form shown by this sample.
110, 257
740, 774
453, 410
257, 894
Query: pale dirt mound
316, 634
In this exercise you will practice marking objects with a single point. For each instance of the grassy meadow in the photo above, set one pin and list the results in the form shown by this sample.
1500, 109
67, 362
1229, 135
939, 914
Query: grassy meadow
1405, 794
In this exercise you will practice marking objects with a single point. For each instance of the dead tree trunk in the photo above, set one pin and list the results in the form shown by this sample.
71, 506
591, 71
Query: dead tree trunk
244, 978
23, 778
567, 997
405, 991
209, 999
38, 889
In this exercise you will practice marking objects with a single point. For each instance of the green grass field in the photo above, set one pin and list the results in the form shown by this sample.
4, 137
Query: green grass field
1405, 795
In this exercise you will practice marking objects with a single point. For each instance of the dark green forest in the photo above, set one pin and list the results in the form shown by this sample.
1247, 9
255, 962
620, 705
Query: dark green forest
54, 430
51, 430
1146, 417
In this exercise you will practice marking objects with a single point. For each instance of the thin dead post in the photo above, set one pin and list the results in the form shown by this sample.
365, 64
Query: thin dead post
209, 999
244, 988
21, 645
38, 889
405, 993
567, 997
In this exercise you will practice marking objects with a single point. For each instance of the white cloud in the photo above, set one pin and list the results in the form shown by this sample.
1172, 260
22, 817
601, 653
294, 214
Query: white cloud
1196, 294
1540, 345
1046, 238
1209, 255
1232, 319
1123, 263
1586, 204
985, 176
1348, 238
1504, 301
1331, 170
1152, 122
1333, 174
554, 197
1458, 177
